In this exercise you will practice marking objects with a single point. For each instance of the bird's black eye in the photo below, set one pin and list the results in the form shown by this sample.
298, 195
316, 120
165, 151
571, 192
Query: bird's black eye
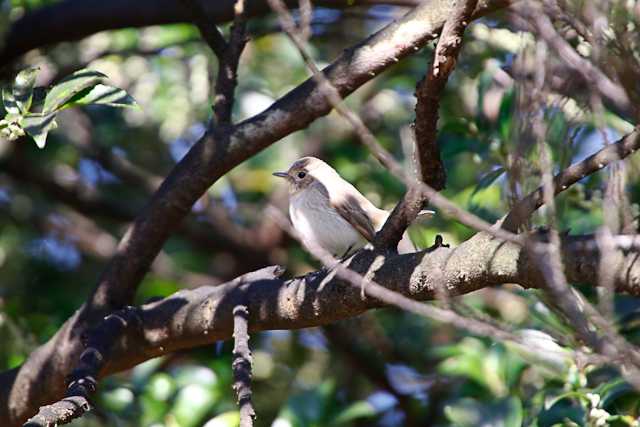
301, 175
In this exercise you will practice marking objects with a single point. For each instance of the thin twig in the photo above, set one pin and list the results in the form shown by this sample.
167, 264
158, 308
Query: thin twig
227, 79
241, 365
208, 30
331, 93
577, 310
306, 14
587, 69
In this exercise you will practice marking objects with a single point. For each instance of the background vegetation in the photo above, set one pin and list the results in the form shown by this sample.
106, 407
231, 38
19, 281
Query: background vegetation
64, 208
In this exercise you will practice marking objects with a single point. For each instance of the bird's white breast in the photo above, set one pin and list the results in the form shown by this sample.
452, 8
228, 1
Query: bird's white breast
318, 223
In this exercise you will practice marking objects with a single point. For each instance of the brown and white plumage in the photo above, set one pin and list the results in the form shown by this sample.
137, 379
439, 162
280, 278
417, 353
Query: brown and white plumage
328, 211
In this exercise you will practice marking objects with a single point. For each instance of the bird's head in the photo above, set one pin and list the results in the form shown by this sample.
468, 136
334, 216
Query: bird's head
305, 172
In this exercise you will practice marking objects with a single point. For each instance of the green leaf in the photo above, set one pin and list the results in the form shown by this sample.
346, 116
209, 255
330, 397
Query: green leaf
611, 392
38, 126
105, 95
118, 399
472, 413
23, 88
69, 87
9, 102
487, 179
362, 409
226, 419
192, 403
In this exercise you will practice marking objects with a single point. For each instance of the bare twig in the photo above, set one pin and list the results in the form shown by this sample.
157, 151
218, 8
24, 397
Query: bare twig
574, 173
208, 30
228, 54
590, 72
578, 311
330, 92
306, 14
241, 365
227, 79
430, 89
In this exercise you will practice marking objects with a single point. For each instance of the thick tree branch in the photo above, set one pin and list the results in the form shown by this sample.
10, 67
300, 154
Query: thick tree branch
574, 173
205, 315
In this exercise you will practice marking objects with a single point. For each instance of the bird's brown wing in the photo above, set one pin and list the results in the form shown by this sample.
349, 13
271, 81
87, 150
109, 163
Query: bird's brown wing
350, 210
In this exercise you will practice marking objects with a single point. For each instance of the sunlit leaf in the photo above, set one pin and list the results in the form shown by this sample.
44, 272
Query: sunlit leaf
23, 88
70, 87
105, 95
117, 399
473, 413
353, 412
38, 126
192, 403
226, 419
488, 179
9, 102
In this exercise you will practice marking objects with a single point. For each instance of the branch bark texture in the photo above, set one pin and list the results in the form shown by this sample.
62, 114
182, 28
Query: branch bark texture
429, 91
204, 315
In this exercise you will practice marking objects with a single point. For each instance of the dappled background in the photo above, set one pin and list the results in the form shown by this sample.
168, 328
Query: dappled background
64, 208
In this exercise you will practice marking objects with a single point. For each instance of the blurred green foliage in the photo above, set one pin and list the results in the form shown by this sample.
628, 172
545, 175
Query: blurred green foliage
427, 373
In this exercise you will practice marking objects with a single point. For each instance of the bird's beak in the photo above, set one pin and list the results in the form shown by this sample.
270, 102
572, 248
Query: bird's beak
281, 174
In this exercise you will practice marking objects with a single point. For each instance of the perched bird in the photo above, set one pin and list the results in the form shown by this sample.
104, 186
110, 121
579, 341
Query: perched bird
329, 212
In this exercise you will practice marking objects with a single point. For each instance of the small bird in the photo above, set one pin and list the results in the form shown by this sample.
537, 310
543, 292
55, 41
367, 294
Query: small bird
329, 212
